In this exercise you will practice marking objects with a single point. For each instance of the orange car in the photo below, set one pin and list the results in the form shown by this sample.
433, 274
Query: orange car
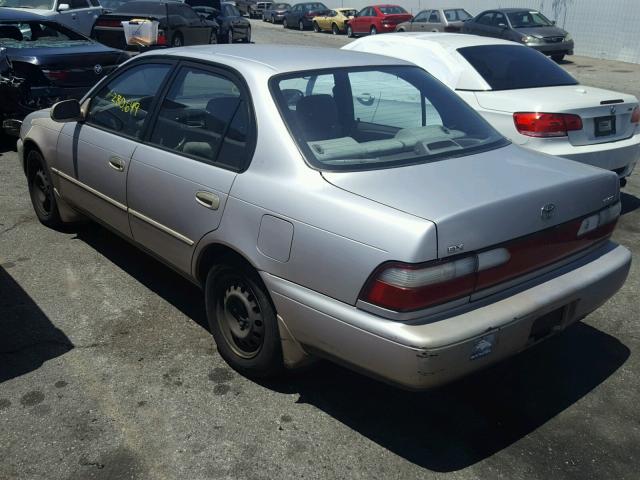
335, 21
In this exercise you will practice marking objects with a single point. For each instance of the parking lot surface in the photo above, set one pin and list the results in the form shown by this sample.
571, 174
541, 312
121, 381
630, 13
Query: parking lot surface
108, 371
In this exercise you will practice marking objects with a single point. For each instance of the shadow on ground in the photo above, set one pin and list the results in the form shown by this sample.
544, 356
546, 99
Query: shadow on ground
7, 143
154, 275
27, 336
443, 430
630, 203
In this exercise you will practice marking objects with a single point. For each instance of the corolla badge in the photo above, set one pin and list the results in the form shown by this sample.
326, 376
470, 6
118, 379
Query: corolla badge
97, 69
547, 211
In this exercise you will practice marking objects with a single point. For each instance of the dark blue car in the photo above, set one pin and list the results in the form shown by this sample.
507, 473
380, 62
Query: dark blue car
42, 62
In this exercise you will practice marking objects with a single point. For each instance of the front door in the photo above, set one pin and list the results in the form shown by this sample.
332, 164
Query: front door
180, 178
419, 23
94, 155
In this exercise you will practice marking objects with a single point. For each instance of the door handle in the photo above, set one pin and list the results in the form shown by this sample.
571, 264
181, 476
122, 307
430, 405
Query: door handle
208, 199
117, 164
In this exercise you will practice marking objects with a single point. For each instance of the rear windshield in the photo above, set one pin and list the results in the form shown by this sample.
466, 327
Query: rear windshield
509, 67
348, 13
457, 15
528, 19
378, 117
39, 35
392, 10
142, 7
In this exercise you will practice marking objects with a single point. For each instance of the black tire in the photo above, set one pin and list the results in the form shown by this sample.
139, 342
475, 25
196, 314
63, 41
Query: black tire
247, 39
373, 30
558, 58
334, 29
350, 32
301, 26
213, 37
284, 23
316, 27
401, 30
177, 40
230, 36
41, 191
243, 320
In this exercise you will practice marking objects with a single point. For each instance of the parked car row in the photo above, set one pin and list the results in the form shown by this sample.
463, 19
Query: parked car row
374, 218
529, 27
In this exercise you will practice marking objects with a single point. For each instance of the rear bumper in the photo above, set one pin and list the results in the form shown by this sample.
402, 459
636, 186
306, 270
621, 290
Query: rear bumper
437, 351
620, 156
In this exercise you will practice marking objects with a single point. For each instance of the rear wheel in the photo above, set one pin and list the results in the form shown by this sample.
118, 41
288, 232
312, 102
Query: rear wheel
401, 30
177, 40
247, 39
41, 191
213, 37
316, 27
243, 320
558, 58
230, 36
300, 26
284, 23
334, 29
373, 30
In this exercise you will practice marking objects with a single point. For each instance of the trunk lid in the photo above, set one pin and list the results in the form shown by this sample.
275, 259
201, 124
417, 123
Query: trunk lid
482, 200
396, 18
72, 66
592, 104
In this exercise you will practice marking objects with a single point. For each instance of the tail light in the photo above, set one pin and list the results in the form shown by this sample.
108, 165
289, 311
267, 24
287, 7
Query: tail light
534, 124
406, 287
56, 75
162, 38
105, 22
635, 116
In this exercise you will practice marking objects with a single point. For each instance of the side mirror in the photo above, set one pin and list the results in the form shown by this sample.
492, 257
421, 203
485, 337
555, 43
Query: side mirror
63, 7
66, 111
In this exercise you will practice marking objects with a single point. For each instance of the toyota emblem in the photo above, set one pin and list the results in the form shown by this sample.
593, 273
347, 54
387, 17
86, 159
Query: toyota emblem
547, 211
97, 69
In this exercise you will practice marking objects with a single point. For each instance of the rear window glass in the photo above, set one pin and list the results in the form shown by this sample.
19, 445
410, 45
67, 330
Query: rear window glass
151, 8
509, 67
378, 117
392, 10
457, 15
39, 35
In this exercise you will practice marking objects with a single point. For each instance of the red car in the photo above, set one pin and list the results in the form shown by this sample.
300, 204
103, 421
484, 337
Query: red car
377, 19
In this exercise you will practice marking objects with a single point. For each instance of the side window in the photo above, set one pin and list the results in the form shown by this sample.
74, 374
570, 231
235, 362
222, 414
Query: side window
76, 4
386, 99
122, 104
363, 12
205, 116
486, 19
95, 3
422, 17
434, 17
188, 13
499, 19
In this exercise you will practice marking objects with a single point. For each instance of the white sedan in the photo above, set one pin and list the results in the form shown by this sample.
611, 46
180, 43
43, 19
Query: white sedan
525, 96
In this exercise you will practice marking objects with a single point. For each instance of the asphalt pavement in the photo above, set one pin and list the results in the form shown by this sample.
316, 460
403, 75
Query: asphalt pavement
108, 371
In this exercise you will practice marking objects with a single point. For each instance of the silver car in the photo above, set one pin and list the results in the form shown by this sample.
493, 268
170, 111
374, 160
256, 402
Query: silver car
438, 20
334, 204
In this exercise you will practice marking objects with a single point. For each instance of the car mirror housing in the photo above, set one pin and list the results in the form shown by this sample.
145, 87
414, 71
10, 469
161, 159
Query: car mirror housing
63, 7
66, 111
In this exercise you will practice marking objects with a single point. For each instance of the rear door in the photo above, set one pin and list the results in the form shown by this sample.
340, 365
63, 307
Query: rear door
94, 155
435, 21
483, 25
196, 30
180, 178
419, 23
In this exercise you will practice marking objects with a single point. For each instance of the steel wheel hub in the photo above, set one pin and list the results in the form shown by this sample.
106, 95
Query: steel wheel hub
43, 191
242, 321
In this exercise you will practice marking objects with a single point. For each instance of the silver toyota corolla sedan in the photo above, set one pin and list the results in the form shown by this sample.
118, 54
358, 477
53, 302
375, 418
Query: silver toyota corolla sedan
398, 234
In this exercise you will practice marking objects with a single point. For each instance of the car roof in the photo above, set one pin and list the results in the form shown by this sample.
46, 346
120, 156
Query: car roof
512, 10
439, 50
17, 14
273, 59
